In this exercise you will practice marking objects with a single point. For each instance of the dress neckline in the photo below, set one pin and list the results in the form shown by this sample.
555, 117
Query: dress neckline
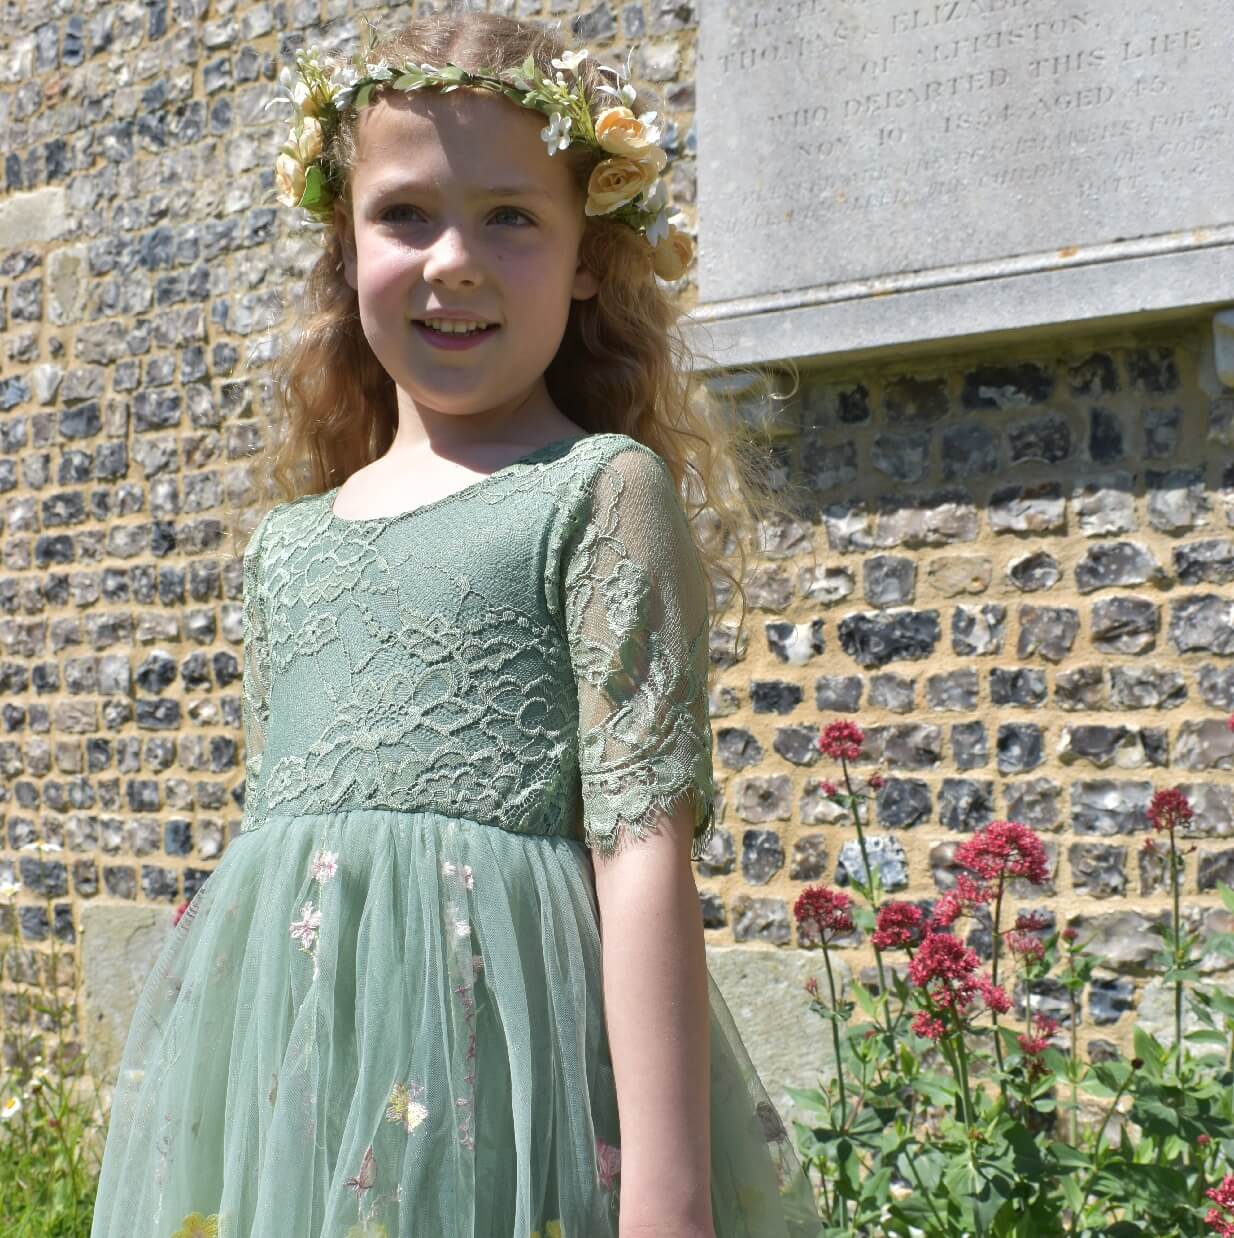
526, 458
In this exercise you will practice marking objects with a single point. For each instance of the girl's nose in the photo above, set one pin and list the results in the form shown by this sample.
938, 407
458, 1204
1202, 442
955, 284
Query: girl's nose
451, 261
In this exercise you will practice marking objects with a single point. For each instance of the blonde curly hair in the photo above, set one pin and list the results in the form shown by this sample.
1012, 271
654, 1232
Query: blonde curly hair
624, 364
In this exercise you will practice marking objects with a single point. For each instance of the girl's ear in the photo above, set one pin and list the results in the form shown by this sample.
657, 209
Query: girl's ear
347, 242
586, 282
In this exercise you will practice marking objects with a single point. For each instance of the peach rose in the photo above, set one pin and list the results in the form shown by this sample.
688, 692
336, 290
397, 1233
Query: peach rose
672, 255
309, 145
615, 182
620, 132
289, 177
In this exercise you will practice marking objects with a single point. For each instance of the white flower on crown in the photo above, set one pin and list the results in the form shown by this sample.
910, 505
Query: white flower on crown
627, 94
569, 61
556, 133
655, 200
379, 69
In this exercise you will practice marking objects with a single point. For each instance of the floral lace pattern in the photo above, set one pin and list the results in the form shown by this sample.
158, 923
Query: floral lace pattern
530, 653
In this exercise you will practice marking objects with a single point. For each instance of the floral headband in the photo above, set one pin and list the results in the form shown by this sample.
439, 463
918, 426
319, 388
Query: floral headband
626, 184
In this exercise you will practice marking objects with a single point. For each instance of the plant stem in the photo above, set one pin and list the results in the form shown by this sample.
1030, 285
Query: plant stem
865, 860
1178, 962
998, 1047
841, 1205
966, 1099
1075, 1063
1105, 1121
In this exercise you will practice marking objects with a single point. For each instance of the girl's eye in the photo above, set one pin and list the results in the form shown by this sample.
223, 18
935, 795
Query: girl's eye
520, 216
392, 210
508, 214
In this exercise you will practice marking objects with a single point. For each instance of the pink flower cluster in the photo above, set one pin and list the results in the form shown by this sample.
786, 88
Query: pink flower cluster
1223, 1197
822, 914
996, 853
899, 926
841, 741
1005, 849
1045, 1027
947, 973
1170, 810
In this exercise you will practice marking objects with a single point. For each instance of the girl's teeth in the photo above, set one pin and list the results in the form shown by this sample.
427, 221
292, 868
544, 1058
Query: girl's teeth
452, 327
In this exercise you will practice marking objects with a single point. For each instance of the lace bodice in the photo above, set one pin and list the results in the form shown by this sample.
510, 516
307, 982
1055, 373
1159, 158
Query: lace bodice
530, 652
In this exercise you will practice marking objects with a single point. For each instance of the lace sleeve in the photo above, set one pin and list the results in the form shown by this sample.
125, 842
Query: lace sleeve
636, 616
255, 700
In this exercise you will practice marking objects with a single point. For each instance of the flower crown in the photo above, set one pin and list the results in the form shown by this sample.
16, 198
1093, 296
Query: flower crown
626, 184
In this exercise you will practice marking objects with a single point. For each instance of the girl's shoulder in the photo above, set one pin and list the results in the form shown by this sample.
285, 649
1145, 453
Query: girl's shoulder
598, 451
271, 519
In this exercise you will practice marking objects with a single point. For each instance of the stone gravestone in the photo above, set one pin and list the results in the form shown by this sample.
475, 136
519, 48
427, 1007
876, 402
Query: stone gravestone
882, 172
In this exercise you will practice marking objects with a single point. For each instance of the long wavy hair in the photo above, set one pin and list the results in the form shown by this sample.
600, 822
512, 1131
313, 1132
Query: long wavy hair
623, 365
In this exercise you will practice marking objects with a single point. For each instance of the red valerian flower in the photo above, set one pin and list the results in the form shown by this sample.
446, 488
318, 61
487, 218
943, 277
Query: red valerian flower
822, 914
1170, 809
1031, 922
1033, 1046
927, 1025
877, 782
945, 968
1202, 1141
946, 971
961, 900
994, 995
899, 925
1223, 1197
828, 788
1005, 849
1031, 949
841, 741
1229, 722
1069, 934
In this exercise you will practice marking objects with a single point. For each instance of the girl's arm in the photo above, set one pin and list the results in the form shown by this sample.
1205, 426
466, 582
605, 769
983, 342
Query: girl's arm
656, 1006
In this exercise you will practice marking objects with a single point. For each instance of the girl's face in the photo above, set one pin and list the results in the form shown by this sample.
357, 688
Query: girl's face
459, 212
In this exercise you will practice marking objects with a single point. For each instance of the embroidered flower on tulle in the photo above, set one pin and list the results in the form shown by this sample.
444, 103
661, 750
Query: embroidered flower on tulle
406, 1105
608, 1163
324, 865
366, 1175
450, 869
304, 930
197, 1226
552, 1229
462, 928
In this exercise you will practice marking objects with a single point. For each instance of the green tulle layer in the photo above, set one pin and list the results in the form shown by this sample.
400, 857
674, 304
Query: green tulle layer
391, 1023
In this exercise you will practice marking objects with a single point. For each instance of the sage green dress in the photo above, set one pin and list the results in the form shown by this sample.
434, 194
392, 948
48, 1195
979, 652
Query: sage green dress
382, 1013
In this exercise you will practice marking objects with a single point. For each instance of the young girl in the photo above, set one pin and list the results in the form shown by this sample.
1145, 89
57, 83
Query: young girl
449, 978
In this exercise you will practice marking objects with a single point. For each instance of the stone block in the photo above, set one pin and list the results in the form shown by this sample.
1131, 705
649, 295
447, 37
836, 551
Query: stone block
118, 948
764, 994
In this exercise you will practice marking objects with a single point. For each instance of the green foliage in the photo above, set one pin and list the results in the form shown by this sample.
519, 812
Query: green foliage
978, 1134
52, 1119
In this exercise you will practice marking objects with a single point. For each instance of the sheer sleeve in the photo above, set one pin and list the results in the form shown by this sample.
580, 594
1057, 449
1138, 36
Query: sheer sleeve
635, 607
255, 699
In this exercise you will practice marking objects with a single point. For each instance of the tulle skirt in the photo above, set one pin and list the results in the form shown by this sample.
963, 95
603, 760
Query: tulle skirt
391, 1024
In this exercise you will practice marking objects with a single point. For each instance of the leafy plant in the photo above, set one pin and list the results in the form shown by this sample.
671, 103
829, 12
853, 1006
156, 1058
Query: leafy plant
942, 1121
51, 1114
